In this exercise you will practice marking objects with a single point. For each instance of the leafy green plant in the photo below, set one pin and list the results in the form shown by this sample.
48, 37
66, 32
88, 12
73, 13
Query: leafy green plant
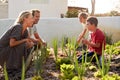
61, 61
67, 71
111, 77
38, 62
101, 71
72, 13
37, 78
23, 70
5, 72
55, 46
78, 69
70, 49
75, 78
64, 42
114, 13
104, 66
115, 48
40, 58
98, 74
44, 52
117, 44
92, 68
81, 69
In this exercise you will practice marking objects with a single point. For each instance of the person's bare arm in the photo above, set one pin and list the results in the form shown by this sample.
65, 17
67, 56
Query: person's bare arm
81, 35
14, 42
38, 37
90, 43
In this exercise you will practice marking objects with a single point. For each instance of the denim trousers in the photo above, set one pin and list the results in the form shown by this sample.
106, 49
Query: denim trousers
90, 54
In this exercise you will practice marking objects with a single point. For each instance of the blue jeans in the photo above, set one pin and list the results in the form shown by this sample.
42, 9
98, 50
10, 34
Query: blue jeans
89, 54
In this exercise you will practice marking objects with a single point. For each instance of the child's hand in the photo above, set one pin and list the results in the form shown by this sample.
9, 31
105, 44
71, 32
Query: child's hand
85, 41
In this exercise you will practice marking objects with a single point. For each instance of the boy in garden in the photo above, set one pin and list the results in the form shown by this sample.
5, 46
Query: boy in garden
82, 18
97, 39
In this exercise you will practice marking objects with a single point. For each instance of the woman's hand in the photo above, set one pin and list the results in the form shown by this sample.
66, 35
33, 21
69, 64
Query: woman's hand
29, 43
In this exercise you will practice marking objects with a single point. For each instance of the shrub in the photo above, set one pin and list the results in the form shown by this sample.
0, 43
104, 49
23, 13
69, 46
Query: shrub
72, 13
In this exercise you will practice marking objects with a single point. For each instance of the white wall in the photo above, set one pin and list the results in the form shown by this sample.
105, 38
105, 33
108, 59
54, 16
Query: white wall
3, 10
51, 9
111, 25
70, 27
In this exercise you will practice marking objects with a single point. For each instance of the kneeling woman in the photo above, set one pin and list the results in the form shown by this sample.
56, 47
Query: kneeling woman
15, 44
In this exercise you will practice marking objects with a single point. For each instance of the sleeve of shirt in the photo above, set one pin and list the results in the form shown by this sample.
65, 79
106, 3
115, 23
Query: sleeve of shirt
16, 32
99, 39
34, 29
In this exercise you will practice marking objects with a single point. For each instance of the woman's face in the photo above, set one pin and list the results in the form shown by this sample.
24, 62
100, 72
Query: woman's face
29, 20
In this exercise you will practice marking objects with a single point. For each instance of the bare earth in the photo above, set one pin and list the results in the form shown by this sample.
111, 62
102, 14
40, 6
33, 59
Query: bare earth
51, 73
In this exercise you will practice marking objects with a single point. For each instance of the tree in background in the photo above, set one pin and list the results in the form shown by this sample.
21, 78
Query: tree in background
93, 7
114, 13
118, 6
72, 13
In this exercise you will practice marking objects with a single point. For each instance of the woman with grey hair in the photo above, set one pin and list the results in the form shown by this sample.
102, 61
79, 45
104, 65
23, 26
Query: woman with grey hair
15, 44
